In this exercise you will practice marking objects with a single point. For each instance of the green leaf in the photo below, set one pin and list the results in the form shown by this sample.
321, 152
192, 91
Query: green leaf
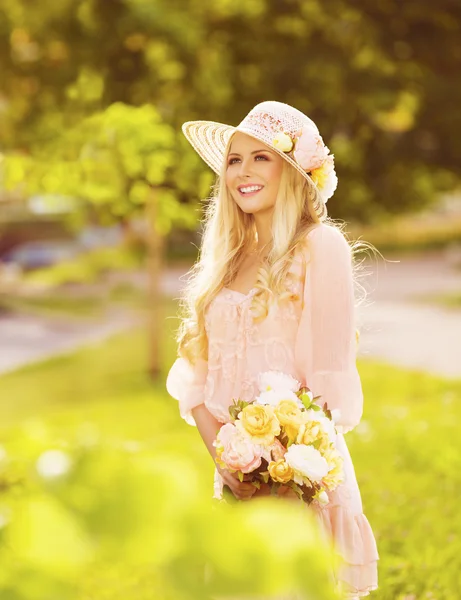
274, 488
139, 192
265, 476
240, 475
304, 390
305, 399
295, 487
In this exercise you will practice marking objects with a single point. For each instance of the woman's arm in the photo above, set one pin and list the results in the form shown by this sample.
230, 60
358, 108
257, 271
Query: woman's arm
208, 428
186, 383
326, 342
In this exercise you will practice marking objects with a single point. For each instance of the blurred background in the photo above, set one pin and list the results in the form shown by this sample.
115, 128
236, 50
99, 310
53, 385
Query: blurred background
101, 198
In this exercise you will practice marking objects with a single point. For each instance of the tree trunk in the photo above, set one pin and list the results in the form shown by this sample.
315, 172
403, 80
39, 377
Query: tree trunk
155, 250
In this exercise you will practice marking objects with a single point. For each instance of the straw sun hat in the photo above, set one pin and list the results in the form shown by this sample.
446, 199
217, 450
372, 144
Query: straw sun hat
284, 129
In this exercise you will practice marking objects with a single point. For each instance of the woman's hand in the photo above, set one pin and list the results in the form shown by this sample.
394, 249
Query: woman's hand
283, 491
242, 490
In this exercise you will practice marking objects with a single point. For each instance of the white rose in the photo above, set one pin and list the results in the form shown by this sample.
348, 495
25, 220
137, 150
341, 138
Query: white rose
273, 397
277, 380
307, 461
283, 142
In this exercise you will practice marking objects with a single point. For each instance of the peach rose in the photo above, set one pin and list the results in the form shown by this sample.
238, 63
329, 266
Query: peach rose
236, 451
310, 151
277, 450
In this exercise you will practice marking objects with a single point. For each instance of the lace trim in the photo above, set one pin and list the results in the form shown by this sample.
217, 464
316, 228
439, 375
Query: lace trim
232, 332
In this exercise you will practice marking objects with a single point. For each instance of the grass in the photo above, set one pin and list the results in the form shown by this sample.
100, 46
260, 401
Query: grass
408, 233
53, 304
448, 300
405, 450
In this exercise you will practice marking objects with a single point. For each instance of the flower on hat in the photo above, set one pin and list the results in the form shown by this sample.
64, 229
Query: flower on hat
325, 178
314, 157
310, 151
283, 142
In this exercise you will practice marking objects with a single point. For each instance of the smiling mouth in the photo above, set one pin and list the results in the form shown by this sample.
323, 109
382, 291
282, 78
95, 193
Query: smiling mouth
250, 190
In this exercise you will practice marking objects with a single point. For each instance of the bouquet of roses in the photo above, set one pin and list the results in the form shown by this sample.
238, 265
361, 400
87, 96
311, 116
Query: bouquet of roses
282, 437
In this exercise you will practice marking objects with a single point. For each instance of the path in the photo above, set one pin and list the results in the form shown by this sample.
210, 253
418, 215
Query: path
397, 328
26, 339
394, 327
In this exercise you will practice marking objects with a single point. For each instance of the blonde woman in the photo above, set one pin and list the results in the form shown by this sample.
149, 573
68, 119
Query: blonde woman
273, 289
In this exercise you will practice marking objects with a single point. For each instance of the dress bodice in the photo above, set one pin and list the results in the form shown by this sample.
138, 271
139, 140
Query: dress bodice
240, 348
310, 335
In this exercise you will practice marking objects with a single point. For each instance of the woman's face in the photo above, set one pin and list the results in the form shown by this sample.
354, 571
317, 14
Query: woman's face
253, 173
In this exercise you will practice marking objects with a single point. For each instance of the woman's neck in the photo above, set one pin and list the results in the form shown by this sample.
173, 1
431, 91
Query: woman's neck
263, 224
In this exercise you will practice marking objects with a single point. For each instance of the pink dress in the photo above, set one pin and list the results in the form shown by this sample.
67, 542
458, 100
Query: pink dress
311, 337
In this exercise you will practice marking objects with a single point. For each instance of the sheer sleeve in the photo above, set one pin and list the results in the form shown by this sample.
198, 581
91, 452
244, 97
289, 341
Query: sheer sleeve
325, 349
186, 383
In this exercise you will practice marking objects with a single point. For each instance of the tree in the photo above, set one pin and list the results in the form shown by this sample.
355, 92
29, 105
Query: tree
120, 161
379, 80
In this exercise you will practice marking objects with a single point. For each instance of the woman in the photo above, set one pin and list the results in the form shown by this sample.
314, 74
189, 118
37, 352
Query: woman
274, 290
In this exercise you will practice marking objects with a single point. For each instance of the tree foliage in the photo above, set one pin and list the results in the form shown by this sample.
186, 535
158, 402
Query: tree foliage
379, 79
118, 160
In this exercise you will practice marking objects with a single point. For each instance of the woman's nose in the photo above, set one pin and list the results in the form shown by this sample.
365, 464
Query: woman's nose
245, 166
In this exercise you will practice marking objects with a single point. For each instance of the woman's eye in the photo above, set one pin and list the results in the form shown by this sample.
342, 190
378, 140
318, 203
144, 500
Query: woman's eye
231, 162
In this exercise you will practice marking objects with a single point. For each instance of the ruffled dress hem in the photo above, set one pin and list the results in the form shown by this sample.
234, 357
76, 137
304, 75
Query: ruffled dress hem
354, 542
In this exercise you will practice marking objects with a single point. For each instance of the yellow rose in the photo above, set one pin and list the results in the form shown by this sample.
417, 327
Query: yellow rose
335, 461
310, 432
280, 471
282, 142
259, 423
290, 417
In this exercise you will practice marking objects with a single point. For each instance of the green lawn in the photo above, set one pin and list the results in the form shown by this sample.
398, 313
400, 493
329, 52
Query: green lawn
448, 300
405, 452
408, 233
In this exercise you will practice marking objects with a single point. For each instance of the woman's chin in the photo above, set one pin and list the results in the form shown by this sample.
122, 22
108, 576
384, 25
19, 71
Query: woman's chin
253, 207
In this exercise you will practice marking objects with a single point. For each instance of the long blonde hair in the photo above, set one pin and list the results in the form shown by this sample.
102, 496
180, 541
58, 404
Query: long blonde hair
228, 234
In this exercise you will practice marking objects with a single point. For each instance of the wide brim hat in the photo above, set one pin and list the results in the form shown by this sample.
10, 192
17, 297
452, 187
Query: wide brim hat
286, 130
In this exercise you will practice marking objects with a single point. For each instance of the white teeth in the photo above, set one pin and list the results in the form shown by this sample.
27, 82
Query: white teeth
253, 188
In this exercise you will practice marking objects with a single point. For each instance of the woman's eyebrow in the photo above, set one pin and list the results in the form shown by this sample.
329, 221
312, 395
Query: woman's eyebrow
254, 152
